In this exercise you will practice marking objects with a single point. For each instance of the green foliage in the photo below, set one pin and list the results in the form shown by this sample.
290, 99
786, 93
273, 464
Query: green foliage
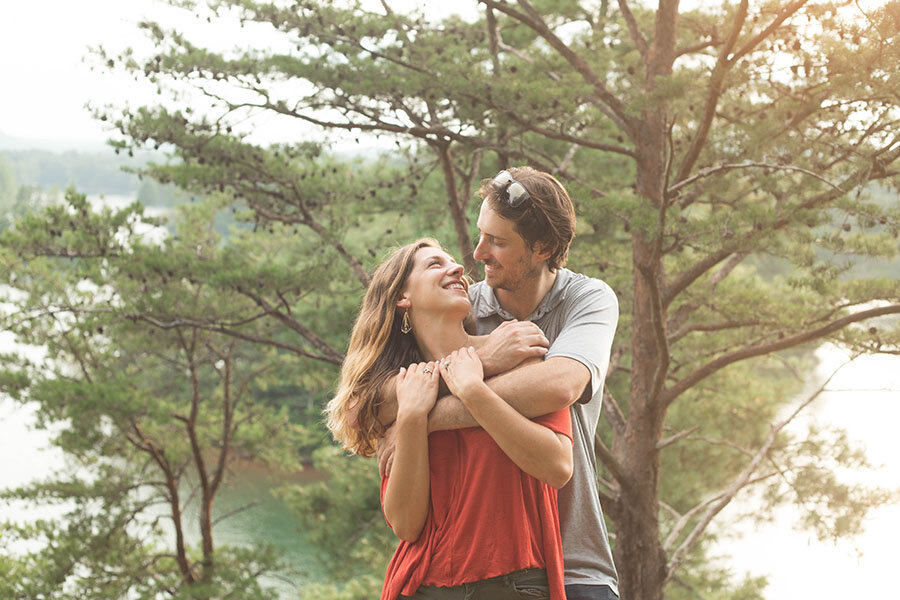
153, 193
9, 188
343, 519
152, 410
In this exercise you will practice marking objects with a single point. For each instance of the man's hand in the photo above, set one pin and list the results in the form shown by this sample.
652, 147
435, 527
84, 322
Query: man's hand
385, 453
510, 344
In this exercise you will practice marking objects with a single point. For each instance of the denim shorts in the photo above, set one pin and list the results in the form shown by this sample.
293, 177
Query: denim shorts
527, 584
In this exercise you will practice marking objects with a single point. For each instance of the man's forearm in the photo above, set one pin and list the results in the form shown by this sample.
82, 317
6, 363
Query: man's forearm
533, 389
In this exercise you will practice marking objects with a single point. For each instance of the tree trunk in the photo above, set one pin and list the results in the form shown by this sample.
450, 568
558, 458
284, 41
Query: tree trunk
638, 545
457, 211
637, 529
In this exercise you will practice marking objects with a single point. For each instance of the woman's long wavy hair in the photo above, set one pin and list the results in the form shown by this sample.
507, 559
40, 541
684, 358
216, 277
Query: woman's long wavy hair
377, 351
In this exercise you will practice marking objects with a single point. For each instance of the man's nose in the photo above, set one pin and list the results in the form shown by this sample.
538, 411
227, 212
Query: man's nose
479, 253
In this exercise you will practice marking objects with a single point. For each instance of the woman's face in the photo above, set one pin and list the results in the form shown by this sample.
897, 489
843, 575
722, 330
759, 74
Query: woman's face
436, 284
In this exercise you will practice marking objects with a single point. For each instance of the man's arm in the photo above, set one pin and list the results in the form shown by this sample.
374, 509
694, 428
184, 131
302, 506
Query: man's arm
576, 363
534, 389
512, 343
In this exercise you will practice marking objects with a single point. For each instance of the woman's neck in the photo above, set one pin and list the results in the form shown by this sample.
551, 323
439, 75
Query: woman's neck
438, 337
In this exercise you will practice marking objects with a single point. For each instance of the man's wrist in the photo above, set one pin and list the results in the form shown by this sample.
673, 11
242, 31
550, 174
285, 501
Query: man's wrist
487, 362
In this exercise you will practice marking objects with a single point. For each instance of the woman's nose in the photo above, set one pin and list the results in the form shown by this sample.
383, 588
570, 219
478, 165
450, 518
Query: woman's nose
455, 270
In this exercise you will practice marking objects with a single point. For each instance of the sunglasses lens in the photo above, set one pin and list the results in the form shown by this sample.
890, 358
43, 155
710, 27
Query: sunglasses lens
517, 194
502, 178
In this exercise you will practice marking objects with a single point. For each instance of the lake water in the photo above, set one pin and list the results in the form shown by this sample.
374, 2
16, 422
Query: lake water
26, 455
865, 403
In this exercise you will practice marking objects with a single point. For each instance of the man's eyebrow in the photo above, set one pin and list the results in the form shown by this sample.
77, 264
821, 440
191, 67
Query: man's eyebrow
491, 235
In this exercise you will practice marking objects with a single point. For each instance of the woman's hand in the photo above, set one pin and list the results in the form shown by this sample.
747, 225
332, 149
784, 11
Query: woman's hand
417, 387
406, 497
463, 372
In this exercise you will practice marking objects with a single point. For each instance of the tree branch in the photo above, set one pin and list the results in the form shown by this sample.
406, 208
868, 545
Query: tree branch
329, 358
741, 481
613, 412
710, 327
716, 81
676, 438
785, 13
565, 137
532, 19
746, 165
754, 350
637, 37
457, 212
608, 460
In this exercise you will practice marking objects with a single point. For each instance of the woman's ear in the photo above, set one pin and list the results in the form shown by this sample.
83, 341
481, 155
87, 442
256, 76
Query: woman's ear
403, 302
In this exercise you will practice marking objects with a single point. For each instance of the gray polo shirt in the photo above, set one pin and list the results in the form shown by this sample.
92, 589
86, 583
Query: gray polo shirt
578, 315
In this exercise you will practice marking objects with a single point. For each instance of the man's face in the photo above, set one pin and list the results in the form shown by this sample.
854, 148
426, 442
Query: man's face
508, 263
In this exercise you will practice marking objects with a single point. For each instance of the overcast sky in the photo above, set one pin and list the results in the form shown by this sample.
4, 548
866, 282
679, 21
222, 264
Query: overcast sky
46, 77
46, 83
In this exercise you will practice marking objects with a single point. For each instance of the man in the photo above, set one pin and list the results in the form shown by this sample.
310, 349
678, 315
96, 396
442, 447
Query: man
527, 223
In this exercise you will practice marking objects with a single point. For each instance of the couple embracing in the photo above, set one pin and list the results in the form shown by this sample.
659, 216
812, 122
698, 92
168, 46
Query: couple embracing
485, 437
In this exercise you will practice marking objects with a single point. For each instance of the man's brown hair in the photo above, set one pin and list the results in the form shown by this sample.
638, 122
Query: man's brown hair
546, 220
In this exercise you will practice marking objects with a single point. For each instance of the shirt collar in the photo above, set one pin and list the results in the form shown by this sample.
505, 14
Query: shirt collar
489, 304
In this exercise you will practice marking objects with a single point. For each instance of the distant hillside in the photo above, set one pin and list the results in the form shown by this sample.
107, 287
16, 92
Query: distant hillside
15, 144
94, 173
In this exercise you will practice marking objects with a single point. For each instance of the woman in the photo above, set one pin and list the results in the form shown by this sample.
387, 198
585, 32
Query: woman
475, 508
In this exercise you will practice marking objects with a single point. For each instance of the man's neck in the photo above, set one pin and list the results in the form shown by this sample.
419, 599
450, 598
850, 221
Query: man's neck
523, 301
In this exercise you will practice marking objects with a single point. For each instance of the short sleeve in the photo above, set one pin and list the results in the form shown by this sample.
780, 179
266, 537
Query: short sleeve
589, 318
559, 422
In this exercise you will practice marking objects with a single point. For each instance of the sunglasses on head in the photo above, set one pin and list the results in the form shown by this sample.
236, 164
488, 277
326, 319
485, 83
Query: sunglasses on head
512, 192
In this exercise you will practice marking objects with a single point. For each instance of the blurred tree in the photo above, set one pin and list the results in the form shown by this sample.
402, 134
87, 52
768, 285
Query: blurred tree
9, 187
155, 409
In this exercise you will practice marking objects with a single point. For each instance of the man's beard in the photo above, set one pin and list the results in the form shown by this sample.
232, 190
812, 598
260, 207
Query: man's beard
522, 273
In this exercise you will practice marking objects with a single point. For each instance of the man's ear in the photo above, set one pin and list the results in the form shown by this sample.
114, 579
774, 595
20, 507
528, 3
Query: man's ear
403, 302
544, 250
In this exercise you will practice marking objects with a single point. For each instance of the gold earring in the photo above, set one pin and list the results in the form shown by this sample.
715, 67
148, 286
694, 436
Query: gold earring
405, 326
